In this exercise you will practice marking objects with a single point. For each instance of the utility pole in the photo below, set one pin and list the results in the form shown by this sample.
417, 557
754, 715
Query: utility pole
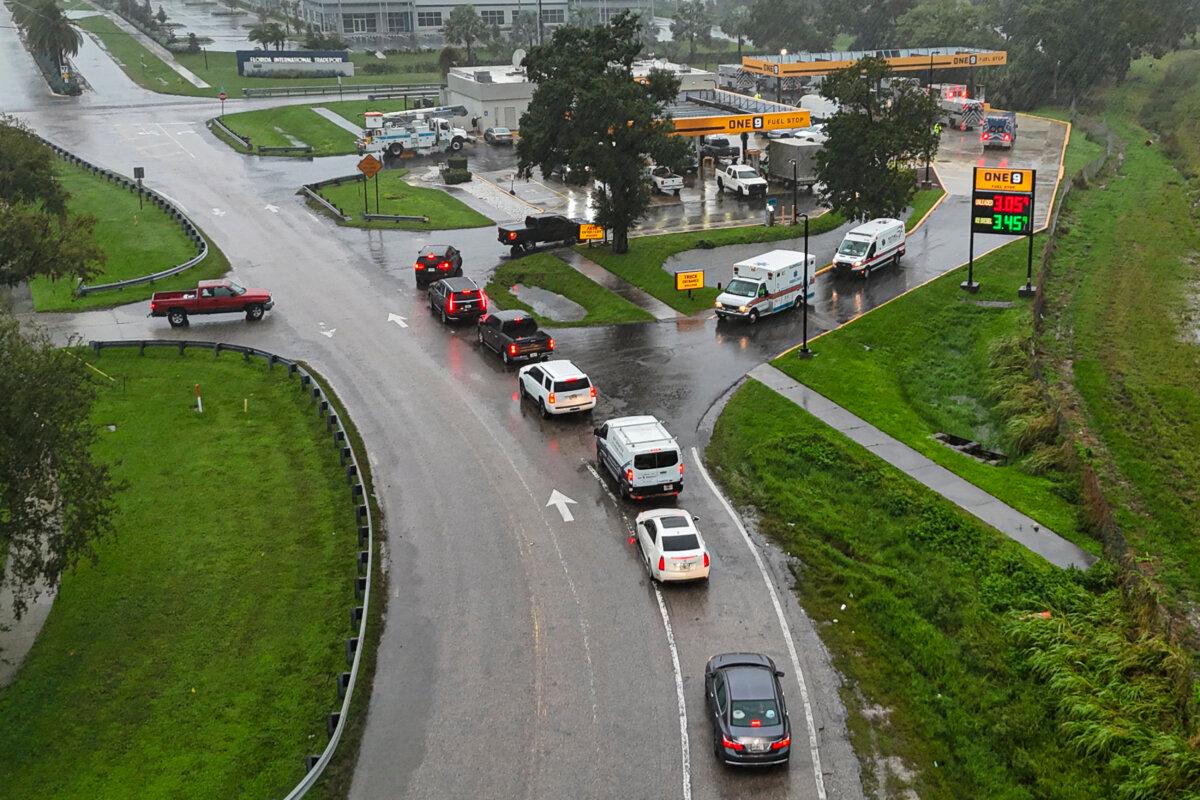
804, 351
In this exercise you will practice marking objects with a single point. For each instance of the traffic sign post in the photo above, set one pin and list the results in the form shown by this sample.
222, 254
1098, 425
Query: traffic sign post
1002, 202
369, 166
687, 281
222, 97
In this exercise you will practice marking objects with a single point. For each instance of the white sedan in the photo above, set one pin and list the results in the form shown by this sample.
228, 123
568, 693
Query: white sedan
672, 548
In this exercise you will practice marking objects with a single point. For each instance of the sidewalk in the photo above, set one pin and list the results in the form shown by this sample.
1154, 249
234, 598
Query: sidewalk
339, 120
660, 310
970, 498
157, 49
18, 636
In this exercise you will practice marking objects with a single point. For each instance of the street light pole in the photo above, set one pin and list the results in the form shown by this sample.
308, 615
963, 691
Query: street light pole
795, 195
804, 351
929, 91
779, 77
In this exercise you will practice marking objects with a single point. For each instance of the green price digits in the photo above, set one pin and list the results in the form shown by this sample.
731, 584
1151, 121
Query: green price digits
1010, 223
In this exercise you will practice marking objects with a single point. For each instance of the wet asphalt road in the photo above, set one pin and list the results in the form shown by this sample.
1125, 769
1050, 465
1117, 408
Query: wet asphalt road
523, 656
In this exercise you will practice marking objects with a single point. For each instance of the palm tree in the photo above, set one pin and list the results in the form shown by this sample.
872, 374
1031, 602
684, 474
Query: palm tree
50, 33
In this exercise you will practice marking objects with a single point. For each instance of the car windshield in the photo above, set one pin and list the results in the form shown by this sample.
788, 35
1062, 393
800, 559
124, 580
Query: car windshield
853, 247
745, 172
663, 458
997, 125
753, 713
233, 287
572, 385
742, 288
686, 541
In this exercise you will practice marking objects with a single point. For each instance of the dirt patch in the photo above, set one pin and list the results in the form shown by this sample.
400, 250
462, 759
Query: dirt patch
1190, 323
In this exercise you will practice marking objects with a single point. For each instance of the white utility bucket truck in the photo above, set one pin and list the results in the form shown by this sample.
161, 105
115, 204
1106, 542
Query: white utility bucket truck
766, 284
420, 130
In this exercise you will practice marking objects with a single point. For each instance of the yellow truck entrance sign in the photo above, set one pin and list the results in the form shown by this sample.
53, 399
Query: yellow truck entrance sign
996, 179
742, 123
686, 281
590, 233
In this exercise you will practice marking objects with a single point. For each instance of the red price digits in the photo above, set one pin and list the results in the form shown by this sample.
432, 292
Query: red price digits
1010, 203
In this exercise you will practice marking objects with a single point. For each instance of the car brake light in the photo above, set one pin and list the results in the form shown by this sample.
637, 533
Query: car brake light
444, 265
550, 398
629, 475
731, 744
706, 559
552, 344
662, 563
417, 265
1007, 136
592, 391
512, 349
986, 136
512, 235
680, 467
756, 723
450, 303
782, 743
482, 300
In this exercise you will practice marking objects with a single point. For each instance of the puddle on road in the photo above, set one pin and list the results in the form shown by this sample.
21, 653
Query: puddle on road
548, 304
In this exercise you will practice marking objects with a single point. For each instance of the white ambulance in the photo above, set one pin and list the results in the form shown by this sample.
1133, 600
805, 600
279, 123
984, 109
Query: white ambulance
871, 245
766, 284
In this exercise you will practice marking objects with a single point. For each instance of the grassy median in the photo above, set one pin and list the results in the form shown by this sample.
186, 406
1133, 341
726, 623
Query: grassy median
137, 241
551, 273
286, 125
963, 652
198, 656
643, 264
396, 196
922, 203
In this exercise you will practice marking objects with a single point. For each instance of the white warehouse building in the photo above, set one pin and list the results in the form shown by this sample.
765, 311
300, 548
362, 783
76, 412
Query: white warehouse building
357, 20
498, 96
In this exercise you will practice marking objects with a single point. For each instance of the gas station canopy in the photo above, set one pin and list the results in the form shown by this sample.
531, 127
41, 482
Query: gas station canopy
716, 111
803, 65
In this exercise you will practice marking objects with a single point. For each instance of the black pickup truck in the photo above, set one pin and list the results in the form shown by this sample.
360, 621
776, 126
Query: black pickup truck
719, 148
514, 335
540, 228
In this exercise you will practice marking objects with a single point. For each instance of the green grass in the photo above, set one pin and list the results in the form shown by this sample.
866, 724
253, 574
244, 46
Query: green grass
136, 241
553, 274
1170, 104
150, 72
398, 197
275, 127
927, 614
922, 201
1081, 150
197, 657
1127, 292
643, 264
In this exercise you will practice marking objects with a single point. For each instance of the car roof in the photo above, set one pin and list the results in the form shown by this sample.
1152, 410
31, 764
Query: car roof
562, 368
876, 226
747, 682
774, 260
511, 316
460, 284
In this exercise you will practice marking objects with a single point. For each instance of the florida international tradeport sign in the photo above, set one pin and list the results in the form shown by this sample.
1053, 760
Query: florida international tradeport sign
267, 62
1002, 202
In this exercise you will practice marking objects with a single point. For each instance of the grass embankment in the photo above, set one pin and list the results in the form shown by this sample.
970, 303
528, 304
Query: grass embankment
1126, 289
151, 72
137, 241
551, 273
398, 197
923, 201
940, 636
284, 126
643, 264
198, 656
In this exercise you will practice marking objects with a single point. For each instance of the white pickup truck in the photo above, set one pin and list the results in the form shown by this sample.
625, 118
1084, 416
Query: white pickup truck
741, 180
665, 181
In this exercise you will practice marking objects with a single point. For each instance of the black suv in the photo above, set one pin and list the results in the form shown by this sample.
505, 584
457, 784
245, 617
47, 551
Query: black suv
437, 261
457, 298
745, 703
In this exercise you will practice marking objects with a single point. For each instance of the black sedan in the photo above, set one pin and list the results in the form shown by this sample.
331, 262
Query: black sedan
436, 261
745, 703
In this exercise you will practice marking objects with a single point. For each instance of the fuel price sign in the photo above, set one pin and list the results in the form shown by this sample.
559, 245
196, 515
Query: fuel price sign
1009, 213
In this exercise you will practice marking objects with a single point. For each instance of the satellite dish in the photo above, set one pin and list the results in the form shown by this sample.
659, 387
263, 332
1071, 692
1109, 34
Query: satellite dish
518, 56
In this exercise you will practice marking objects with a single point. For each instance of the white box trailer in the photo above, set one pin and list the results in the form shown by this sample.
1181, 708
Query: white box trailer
767, 284
781, 153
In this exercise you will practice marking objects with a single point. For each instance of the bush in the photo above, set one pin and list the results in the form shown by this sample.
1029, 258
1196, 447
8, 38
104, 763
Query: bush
379, 68
455, 175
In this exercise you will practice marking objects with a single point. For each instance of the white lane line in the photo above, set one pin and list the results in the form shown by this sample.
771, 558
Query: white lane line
181, 206
684, 742
787, 631
176, 141
679, 698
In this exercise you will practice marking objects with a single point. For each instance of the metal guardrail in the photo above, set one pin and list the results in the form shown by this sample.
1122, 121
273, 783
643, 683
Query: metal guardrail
314, 765
328, 206
217, 122
386, 95
189, 227
396, 217
284, 149
333, 88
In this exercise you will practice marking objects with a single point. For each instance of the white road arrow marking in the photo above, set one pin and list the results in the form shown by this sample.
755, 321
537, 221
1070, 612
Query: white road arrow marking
271, 208
559, 499
218, 212
399, 320
329, 332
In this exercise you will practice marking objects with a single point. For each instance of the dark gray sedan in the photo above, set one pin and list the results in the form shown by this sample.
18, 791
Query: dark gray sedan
745, 703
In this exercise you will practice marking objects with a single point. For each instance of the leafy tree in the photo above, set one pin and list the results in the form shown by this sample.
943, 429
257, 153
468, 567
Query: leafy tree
55, 501
647, 31
270, 34
736, 23
27, 172
449, 57
583, 16
161, 16
791, 24
525, 28
48, 31
587, 113
866, 164
318, 40
872, 23
933, 23
464, 26
692, 23
193, 44
35, 242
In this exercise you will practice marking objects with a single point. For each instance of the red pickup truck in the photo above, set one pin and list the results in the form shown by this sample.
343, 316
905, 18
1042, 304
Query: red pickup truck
211, 297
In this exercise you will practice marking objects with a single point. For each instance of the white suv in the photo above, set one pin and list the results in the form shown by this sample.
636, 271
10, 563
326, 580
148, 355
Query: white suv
641, 456
556, 387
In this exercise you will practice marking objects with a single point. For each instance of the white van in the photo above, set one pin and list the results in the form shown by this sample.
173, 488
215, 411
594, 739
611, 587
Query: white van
871, 245
766, 284
642, 457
